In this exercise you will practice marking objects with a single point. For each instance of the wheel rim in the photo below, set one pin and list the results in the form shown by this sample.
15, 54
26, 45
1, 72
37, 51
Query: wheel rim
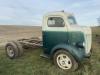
64, 62
10, 51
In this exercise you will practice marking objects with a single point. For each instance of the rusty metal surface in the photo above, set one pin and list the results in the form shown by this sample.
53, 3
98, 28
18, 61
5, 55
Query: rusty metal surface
34, 41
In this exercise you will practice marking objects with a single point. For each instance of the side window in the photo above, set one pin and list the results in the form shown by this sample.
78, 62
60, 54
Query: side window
55, 22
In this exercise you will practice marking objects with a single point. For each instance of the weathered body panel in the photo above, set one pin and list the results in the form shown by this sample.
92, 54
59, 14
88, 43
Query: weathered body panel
52, 39
77, 53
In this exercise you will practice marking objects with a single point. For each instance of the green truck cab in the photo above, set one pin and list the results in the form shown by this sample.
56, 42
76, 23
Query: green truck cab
64, 40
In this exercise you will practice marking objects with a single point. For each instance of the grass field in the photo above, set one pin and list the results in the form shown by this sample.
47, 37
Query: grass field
32, 64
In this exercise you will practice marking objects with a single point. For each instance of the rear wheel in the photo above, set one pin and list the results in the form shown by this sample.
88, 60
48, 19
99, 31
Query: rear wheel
13, 49
20, 48
65, 61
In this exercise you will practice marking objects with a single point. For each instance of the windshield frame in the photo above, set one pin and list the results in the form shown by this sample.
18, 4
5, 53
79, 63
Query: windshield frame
71, 20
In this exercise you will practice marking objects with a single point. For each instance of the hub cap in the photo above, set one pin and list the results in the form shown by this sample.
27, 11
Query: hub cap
10, 51
64, 62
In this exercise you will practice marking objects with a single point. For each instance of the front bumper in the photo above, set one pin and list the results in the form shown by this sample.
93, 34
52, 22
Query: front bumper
89, 54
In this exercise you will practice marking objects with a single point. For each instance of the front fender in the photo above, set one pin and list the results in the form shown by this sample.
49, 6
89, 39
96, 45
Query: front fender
77, 53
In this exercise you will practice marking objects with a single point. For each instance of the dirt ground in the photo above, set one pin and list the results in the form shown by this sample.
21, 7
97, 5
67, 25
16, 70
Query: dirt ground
8, 33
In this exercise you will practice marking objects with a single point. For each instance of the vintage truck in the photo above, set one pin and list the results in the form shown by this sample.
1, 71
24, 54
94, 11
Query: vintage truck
63, 41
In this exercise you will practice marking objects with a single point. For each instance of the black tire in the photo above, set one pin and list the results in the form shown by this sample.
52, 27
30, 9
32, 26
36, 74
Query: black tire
74, 64
20, 48
15, 48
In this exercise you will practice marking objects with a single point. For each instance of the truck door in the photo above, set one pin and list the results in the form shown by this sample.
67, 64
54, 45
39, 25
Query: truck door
54, 33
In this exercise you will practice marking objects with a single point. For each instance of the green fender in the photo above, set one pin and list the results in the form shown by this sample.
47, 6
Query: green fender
77, 53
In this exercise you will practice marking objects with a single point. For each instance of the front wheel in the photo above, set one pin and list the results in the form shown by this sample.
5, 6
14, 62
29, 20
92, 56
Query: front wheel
65, 60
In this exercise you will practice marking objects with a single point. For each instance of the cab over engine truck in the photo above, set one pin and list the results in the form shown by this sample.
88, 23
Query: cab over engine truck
63, 40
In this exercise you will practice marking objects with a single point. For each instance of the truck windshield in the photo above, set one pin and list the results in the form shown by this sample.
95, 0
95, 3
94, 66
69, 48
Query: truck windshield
72, 20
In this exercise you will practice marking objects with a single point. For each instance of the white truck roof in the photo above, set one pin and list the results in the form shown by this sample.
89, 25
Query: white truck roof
58, 13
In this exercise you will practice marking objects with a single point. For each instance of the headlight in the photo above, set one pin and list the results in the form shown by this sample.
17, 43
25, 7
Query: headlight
80, 44
83, 44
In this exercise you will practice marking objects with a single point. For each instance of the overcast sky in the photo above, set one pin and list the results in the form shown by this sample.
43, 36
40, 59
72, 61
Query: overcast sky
30, 12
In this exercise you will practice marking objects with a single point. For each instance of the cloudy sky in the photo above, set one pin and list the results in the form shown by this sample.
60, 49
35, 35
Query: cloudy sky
30, 12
